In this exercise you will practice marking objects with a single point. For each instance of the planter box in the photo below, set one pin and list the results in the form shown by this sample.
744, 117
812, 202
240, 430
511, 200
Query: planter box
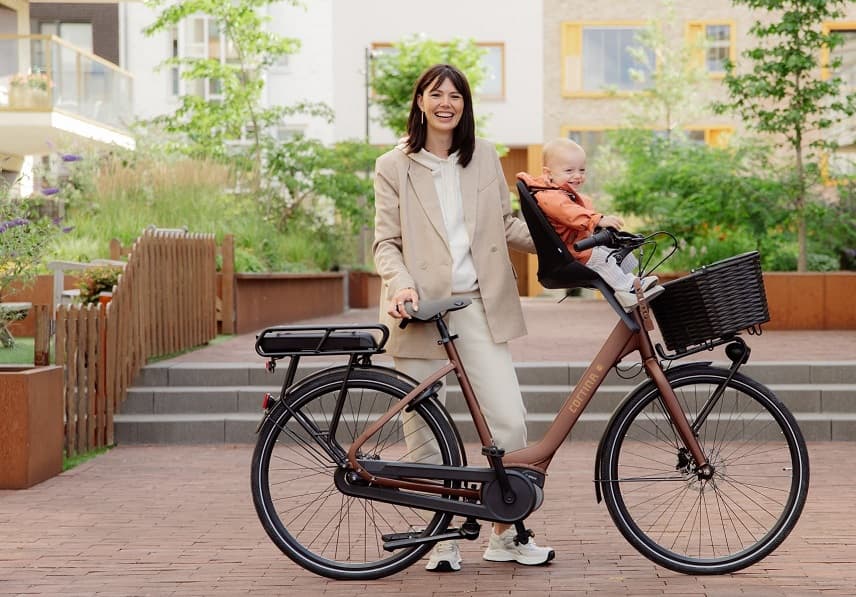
31, 427
811, 300
363, 290
263, 300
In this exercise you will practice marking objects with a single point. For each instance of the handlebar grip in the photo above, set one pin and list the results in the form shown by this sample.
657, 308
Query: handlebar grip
408, 306
595, 240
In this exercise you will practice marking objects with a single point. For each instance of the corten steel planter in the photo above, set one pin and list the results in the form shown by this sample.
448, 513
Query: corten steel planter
363, 290
263, 300
31, 426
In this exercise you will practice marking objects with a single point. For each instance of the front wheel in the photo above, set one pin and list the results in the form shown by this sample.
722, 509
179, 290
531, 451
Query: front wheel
678, 518
294, 492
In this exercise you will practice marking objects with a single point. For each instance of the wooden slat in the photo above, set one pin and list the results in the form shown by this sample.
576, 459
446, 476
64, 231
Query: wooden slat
42, 340
92, 360
71, 395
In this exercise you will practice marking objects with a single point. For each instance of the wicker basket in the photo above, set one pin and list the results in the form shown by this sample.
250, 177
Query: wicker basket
712, 302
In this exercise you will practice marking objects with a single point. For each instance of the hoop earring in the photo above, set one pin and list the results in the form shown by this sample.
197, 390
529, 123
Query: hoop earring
421, 117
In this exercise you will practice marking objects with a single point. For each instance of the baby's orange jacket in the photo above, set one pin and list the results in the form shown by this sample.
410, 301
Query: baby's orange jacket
569, 211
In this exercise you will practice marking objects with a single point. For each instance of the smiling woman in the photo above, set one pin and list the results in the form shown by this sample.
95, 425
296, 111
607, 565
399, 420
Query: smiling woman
443, 224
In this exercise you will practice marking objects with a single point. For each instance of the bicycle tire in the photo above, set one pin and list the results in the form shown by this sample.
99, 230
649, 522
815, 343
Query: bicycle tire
723, 524
294, 494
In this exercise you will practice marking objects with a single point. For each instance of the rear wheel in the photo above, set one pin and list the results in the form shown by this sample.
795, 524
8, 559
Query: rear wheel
705, 526
315, 525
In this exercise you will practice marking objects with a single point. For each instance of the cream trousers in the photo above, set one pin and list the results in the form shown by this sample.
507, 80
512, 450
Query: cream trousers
491, 373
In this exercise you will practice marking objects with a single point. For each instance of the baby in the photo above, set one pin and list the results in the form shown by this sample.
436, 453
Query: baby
572, 215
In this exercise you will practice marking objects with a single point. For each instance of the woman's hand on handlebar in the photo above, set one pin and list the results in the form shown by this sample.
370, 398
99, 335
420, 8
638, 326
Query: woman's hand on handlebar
395, 308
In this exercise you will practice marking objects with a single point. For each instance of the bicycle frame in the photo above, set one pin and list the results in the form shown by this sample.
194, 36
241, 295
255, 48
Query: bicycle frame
621, 342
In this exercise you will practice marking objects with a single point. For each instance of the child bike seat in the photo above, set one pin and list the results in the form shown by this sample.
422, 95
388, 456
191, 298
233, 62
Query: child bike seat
557, 268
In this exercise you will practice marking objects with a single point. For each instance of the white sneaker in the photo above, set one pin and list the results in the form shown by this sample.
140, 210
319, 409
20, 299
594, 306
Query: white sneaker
445, 557
628, 300
503, 548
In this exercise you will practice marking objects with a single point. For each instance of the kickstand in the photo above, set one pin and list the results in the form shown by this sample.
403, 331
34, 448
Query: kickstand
523, 534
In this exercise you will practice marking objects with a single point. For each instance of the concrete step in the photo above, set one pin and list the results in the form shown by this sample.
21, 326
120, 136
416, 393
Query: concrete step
239, 428
820, 398
254, 373
201, 403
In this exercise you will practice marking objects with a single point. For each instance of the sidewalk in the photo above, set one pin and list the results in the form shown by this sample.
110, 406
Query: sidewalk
573, 331
180, 521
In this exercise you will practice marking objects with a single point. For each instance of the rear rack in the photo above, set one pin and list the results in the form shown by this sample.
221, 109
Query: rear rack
309, 340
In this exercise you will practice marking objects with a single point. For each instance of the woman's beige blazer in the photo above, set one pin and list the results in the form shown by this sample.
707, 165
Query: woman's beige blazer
411, 248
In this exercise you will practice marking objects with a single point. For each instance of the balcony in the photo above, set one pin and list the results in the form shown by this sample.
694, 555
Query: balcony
53, 94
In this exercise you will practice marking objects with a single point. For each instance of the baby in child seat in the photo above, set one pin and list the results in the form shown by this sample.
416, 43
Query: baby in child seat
572, 215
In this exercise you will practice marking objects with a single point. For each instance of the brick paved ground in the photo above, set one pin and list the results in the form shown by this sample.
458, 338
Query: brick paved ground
573, 331
179, 521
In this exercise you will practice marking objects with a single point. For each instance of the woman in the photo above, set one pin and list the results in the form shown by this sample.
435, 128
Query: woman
443, 224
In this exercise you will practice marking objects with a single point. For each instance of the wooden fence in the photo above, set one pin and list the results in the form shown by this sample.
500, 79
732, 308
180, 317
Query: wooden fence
164, 302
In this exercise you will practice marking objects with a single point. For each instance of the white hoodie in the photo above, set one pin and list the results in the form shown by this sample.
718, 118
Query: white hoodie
447, 182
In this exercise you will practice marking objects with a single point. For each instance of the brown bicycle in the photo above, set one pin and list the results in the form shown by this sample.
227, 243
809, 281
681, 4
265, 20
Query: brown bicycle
703, 470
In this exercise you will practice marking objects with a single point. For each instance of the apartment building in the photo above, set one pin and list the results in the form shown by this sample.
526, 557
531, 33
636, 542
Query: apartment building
587, 65
555, 67
59, 83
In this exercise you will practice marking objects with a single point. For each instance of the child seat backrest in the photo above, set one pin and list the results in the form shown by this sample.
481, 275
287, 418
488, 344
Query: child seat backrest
557, 268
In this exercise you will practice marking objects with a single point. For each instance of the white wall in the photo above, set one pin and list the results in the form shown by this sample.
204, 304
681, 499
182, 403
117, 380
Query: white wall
330, 65
309, 74
515, 121
141, 55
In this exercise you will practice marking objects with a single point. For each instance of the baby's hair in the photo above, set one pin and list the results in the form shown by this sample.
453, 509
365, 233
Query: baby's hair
551, 147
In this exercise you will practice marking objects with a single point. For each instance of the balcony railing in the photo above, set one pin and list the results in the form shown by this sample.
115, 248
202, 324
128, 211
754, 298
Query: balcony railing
45, 73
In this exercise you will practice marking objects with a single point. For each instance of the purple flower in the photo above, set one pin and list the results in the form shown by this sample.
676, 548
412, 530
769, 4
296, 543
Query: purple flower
70, 157
67, 229
4, 226
47, 191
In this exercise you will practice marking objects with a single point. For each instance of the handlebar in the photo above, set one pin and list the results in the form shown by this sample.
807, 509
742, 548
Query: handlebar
609, 237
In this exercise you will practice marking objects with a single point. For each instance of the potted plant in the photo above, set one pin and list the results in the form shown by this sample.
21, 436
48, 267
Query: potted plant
30, 90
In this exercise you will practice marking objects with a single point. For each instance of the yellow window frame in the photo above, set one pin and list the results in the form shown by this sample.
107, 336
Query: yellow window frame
696, 39
571, 47
825, 73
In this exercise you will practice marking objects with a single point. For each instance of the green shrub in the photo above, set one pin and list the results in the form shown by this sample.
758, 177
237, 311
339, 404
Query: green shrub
94, 281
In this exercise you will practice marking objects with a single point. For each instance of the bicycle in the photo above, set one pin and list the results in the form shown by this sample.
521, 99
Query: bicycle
702, 469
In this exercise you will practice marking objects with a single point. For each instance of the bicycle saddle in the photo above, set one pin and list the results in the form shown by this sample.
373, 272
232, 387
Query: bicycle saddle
432, 310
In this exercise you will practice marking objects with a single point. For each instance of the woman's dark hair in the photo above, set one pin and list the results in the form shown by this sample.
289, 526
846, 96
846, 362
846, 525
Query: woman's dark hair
464, 135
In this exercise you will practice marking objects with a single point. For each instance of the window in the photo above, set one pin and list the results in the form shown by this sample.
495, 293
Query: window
596, 58
493, 62
841, 163
846, 52
715, 44
591, 140
199, 36
493, 86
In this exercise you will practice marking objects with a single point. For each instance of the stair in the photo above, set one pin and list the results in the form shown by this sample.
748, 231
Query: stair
197, 403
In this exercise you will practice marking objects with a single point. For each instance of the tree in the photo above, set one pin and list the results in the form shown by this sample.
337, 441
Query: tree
782, 93
208, 128
674, 80
395, 73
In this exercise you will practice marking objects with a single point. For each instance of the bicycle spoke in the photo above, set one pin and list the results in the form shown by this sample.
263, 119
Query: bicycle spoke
328, 531
694, 522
